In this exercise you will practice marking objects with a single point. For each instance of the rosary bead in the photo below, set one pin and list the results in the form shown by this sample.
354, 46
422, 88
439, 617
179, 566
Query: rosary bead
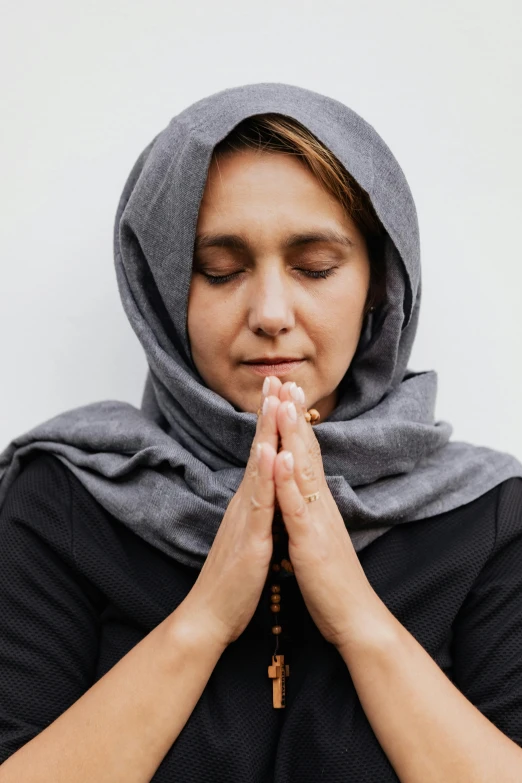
276, 599
275, 589
276, 567
275, 607
287, 565
276, 630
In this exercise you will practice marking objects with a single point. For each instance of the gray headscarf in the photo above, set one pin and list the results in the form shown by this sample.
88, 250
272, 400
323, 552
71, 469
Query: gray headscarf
169, 469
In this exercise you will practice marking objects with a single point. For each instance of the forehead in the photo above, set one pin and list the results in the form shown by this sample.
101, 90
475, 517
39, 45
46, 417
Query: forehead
258, 169
253, 188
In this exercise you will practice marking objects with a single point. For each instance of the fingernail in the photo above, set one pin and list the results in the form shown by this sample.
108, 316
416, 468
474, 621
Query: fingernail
297, 393
265, 405
291, 411
266, 385
289, 460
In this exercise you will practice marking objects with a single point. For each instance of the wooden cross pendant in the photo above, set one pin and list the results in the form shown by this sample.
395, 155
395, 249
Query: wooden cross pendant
278, 672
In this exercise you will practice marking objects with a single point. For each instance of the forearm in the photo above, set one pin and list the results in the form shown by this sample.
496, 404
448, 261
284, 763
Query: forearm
122, 727
429, 731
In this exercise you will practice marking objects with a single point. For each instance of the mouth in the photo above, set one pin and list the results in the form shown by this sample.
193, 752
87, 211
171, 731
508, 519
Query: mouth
274, 366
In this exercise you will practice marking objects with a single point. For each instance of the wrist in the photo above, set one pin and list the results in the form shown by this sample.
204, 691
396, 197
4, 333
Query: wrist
375, 628
187, 628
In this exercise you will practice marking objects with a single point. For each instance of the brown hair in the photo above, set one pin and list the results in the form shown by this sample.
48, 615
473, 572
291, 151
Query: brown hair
273, 132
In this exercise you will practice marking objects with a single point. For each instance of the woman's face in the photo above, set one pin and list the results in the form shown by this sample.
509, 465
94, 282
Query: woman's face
259, 221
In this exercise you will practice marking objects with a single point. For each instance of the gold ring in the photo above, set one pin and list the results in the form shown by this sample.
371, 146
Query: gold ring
311, 498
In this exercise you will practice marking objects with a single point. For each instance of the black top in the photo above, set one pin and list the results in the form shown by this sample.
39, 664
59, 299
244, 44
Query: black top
78, 590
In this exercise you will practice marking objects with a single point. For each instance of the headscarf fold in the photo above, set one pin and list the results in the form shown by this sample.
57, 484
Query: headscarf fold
169, 469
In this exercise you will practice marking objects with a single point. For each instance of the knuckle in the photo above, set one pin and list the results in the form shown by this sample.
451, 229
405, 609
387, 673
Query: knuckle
257, 507
299, 512
260, 504
257, 548
314, 450
308, 473
251, 470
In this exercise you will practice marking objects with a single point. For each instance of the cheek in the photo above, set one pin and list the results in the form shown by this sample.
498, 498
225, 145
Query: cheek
208, 320
197, 318
348, 298
341, 310
336, 327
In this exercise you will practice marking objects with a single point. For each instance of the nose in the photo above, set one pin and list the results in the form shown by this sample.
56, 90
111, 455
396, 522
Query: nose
270, 305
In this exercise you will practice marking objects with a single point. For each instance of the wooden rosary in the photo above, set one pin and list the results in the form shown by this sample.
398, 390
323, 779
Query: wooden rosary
278, 671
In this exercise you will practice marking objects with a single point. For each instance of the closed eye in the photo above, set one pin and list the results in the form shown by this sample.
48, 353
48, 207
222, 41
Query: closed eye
320, 273
314, 274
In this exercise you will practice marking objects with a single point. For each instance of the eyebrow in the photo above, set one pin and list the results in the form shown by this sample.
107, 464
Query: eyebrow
292, 240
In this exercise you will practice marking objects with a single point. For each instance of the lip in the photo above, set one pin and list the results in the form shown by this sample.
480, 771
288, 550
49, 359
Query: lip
282, 368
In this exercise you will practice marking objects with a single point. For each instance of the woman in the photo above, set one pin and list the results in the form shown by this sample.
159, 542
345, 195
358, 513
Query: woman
280, 568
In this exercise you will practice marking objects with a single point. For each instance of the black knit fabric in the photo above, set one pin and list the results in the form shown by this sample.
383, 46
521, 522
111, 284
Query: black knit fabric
78, 590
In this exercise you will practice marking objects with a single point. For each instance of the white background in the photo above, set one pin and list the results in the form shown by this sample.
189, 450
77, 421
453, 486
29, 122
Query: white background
87, 85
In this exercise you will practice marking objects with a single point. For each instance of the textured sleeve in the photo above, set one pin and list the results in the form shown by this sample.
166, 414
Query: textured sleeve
487, 641
48, 624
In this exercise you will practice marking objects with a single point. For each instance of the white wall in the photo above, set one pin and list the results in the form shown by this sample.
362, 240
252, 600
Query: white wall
87, 85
